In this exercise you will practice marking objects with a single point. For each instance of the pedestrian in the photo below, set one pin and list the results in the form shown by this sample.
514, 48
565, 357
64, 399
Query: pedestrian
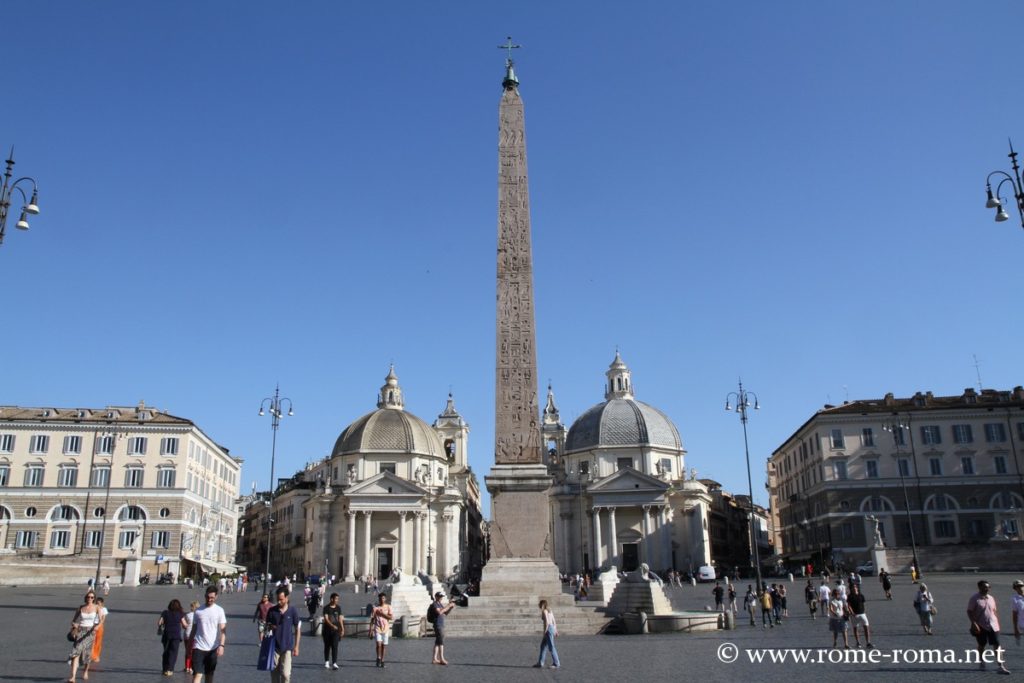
840, 589
380, 626
732, 598
312, 602
719, 593
436, 615
209, 635
169, 627
837, 622
83, 631
983, 613
776, 604
548, 640
97, 644
782, 600
189, 620
1018, 608
750, 604
766, 608
924, 603
886, 581
283, 623
855, 601
260, 616
332, 631
811, 598
106, 585
824, 595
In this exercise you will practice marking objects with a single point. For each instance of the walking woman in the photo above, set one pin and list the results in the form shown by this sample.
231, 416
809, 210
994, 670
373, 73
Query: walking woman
187, 622
260, 616
924, 603
169, 626
97, 645
83, 631
333, 630
548, 641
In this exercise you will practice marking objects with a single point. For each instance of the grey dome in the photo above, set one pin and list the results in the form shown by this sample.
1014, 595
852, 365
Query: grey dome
622, 422
389, 430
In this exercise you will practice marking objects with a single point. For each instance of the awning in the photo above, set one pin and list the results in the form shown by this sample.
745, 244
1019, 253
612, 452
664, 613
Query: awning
212, 566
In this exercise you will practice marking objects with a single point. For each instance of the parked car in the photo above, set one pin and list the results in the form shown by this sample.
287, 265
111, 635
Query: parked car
866, 569
706, 573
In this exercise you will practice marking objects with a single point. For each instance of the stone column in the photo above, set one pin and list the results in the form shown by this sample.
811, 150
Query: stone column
598, 541
416, 545
367, 533
350, 555
400, 562
613, 537
449, 531
664, 516
645, 526
566, 544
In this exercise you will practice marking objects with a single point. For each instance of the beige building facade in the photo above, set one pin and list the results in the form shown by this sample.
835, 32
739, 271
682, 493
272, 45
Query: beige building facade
127, 482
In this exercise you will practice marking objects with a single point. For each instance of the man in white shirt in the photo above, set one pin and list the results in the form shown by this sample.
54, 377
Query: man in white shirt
824, 595
209, 631
840, 590
1017, 603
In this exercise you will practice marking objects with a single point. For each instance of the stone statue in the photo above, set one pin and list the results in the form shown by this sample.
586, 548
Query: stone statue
643, 575
351, 474
877, 541
693, 474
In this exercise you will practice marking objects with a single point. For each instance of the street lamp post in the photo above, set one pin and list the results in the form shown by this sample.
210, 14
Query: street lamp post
274, 405
896, 429
113, 434
30, 207
996, 201
742, 397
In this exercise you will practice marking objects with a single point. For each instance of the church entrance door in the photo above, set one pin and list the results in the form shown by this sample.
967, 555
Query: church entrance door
385, 562
630, 556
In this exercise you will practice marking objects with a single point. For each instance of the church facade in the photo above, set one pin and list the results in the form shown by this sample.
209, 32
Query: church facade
621, 496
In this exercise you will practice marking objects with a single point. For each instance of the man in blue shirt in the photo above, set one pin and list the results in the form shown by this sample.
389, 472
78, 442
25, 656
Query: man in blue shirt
283, 622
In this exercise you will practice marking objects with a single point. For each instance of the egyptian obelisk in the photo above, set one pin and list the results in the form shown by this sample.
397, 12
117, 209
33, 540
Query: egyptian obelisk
520, 530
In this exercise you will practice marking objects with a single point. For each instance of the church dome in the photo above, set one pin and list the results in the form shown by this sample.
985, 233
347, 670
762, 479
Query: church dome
389, 429
621, 420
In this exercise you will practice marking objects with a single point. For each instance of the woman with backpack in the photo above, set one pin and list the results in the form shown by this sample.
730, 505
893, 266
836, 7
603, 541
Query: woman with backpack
924, 604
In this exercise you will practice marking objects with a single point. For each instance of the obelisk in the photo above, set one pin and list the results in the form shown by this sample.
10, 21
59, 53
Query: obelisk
520, 533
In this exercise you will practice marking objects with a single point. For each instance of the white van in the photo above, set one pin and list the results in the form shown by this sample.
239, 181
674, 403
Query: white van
706, 573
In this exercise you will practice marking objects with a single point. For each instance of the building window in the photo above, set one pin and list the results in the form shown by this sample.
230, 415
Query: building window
7, 443
1020, 431
935, 466
584, 467
868, 437
967, 464
995, 432
25, 539
899, 437
127, 539
72, 445
169, 446
945, 528
105, 445
962, 434
161, 539
165, 512
40, 443
60, 540
839, 469
1000, 464
132, 513
878, 504
93, 539
622, 463
99, 512
976, 529
34, 476
846, 531
837, 439
30, 511
100, 477
5, 475
137, 445
133, 477
165, 478
904, 467
65, 512
930, 435
387, 467
67, 476
666, 465
871, 468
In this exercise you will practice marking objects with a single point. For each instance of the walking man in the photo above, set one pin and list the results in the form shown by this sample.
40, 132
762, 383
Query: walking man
855, 602
824, 595
283, 622
718, 592
984, 616
439, 611
209, 635
750, 604
1018, 608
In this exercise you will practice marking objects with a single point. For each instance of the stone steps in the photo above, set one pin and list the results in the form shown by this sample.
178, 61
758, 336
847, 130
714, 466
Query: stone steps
519, 616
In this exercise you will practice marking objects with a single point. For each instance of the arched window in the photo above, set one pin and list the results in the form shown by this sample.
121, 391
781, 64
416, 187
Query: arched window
5, 514
1004, 500
132, 513
940, 502
876, 504
63, 512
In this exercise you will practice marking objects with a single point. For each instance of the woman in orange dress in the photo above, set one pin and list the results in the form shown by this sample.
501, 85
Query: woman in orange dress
97, 643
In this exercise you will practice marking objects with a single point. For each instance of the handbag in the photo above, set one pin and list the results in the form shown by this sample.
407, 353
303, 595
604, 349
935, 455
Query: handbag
932, 610
265, 662
71, 636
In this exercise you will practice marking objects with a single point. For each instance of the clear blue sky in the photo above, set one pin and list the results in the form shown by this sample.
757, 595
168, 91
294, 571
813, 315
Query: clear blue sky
240, 193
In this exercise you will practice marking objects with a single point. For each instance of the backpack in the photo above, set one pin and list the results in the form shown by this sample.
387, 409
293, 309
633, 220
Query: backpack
432, 614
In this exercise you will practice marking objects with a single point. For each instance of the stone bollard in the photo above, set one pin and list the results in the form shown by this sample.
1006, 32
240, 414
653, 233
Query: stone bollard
791, 577
643, 622
316, 626
730, 620
403, 626
693, 581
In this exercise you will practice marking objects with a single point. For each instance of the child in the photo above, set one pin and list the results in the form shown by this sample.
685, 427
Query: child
548, 640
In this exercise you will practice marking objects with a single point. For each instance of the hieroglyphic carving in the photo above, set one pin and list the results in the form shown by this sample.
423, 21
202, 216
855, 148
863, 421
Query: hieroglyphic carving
517, 429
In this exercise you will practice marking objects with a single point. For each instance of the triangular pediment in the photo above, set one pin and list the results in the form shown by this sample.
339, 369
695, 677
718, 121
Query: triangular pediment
385, 484
629, 479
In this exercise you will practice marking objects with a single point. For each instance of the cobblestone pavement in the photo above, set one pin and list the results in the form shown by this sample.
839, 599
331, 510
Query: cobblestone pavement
35, 619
